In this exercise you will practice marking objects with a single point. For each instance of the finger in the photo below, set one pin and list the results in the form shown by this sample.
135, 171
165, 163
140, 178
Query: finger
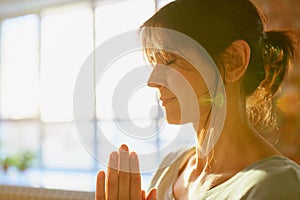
143, 195
152, 195
112, 177
100, 186
135, 177
124, 174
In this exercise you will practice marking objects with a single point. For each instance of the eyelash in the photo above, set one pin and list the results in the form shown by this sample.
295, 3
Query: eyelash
170, 62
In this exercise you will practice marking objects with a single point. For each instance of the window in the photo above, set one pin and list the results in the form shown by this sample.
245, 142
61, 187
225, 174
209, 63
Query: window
19, 67
66, 41
41, 55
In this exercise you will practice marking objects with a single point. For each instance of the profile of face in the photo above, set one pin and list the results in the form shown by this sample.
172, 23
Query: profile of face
181, 85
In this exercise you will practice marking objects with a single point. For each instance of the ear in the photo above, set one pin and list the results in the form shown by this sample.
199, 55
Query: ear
235, 59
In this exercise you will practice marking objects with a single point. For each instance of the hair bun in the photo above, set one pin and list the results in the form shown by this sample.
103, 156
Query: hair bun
273, 54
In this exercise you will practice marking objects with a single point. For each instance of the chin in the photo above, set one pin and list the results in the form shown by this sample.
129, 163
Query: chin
172, 116
173, 121
176, 119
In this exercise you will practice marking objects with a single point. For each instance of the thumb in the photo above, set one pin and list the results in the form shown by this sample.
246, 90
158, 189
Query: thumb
152, 195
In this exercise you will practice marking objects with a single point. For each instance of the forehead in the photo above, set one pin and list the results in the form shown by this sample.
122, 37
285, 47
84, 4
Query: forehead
159, 45
163, 39
169, 44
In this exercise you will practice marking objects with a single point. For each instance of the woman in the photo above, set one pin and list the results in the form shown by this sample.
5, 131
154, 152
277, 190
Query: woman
252, 63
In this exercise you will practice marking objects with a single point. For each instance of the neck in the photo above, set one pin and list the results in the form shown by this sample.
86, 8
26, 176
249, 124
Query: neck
238, 143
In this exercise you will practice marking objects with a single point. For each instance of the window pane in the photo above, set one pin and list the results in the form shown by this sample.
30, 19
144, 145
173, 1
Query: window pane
62, 148
19, 67
67, 40
162, 3
141, 99
17, 137
112, 133
115, 18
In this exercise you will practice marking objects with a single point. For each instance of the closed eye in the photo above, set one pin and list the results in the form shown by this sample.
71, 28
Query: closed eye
170, 62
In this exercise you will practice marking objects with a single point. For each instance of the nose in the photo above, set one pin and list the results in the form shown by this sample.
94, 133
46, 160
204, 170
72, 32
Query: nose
153, 84
154, 80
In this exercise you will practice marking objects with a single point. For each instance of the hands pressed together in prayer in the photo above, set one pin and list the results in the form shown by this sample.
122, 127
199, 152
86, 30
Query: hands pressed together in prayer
123, 179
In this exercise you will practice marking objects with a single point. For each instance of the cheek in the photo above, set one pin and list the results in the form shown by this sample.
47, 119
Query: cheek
190, 84
198, 84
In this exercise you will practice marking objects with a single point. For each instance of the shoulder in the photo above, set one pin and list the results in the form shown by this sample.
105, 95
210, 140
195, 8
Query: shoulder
169, 167
274, 178
176, 157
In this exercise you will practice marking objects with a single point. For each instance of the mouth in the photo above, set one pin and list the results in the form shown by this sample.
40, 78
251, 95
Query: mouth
165, 101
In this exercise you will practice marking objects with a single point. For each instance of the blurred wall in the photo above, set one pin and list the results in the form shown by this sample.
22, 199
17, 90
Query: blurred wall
283, 15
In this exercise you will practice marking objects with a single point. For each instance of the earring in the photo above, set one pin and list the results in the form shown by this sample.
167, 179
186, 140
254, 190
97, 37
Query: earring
217, 100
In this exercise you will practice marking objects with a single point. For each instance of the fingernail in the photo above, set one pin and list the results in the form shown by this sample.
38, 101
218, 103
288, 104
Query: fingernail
124, 147
101, 174
133, 156
114, 155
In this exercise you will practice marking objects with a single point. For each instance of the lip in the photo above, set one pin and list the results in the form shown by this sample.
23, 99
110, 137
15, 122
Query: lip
166, 100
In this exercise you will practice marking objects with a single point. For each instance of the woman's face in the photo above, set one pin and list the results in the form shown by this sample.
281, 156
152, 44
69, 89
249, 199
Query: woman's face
181, 87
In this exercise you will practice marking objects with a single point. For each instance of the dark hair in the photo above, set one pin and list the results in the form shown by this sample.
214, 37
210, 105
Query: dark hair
216, 24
